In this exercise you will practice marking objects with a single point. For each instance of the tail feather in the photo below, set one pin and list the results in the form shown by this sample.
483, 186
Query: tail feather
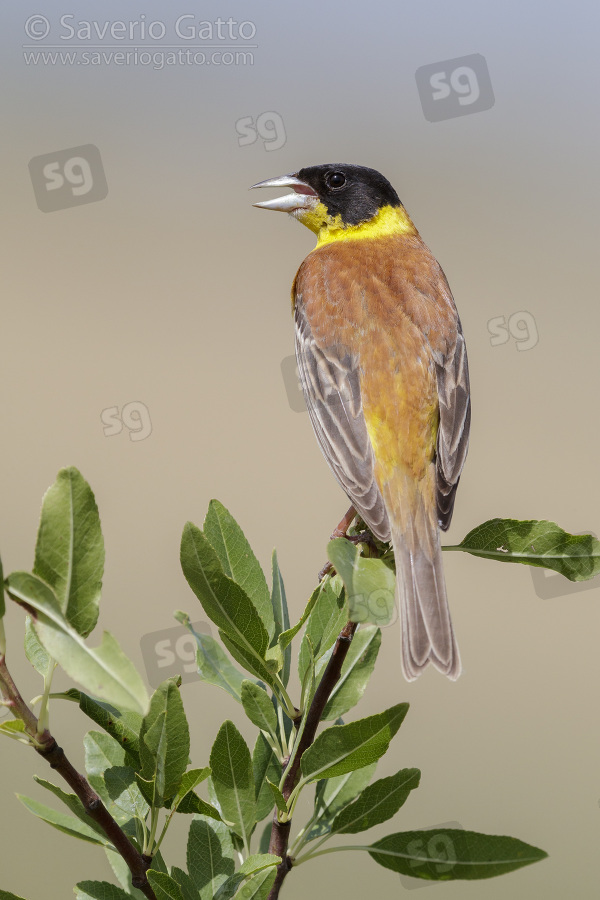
427, 633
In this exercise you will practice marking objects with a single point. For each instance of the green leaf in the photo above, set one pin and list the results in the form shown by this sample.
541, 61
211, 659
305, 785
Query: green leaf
248, 659
123, 726
245, 883
147, 788
210, 855
452, 853
233, 779
265, 838
223, 601
165, 740
13, 727
356, 671
238, 561
370, 584
286, 637
258, 707
188, 889
325, 622
104, 670
6, 895
165, 887
186, 801
73, 803
102, 752
274, 658
281, 614
192, 803
189, 781
280, 801
343, 748
34, 651
69, 554
535, 543
377, 803
265, 765
214, 667
256, 862
334, 794
309, 680
112, 777
124, 793
99, 890
258, 886
62, 822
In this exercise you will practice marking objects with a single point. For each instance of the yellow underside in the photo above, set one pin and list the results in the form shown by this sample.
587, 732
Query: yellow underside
411, 455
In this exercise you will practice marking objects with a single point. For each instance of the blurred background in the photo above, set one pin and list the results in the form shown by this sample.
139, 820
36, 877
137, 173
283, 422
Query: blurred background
147, 340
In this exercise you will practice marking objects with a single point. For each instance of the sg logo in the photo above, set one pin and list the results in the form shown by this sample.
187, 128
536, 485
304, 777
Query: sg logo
521, 326
293, 385
68, 178
269, 126
455, 87
438, 852
171, 652
378, 607
134, 415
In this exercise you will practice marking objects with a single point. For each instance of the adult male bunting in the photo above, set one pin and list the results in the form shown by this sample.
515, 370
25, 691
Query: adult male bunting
383, 367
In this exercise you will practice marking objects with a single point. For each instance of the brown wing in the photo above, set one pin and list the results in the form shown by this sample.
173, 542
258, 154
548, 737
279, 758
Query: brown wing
455, 420
330, 383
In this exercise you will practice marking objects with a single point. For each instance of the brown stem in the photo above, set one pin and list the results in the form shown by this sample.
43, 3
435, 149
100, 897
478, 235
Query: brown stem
280, 831
343, 526
339, 531
96, 810
16, 704
47, 747
326, 685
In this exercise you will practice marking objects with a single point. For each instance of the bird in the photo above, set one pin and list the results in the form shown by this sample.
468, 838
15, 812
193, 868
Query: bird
383, 367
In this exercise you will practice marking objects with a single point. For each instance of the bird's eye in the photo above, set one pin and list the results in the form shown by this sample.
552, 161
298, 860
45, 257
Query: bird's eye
336, 180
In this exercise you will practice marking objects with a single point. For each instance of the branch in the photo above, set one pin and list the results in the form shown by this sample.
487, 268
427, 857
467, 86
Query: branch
17, 706
281, 830
46, 746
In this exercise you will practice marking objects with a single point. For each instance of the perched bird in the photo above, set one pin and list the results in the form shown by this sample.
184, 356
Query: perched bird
383, 367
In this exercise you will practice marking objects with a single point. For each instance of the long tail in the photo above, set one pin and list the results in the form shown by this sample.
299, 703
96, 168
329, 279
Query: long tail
427, 633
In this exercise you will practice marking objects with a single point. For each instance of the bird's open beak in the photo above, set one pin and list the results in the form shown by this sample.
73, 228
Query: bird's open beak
303, 196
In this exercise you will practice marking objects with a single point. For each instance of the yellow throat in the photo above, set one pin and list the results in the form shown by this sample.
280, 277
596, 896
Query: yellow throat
389, 220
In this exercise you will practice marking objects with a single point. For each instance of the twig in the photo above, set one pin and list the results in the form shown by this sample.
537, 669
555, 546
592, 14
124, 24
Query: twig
339, 531
280, 831
46, 746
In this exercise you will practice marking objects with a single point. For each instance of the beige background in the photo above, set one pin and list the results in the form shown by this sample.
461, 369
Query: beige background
174, 292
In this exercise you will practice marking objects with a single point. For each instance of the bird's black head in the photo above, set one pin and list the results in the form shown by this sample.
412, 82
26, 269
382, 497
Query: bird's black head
355, 193
339, 201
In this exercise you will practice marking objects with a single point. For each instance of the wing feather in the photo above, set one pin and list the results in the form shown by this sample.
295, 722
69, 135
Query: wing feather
331, 386
454, 424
